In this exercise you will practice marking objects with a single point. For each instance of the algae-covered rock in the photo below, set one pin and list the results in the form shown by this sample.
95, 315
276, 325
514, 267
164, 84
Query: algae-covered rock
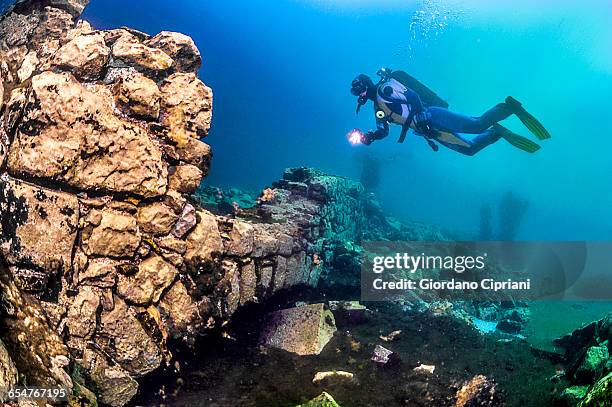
8, 372
303, 330
39, 226
571, 396
323, 400
592, 365
479, 391
600, 394
70, 133
180, 47
85, 56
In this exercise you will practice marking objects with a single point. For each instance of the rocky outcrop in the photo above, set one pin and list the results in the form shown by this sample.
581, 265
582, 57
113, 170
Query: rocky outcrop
588, 363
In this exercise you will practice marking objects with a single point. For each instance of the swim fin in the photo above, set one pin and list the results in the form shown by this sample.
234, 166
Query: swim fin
517, 141
527, 118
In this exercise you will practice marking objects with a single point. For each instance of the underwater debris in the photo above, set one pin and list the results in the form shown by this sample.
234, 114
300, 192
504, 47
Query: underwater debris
391, 336
428, 369
384, 357
334, 377
478, 391
303, 330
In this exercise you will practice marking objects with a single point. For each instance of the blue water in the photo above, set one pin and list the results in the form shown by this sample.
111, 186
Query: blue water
281, 72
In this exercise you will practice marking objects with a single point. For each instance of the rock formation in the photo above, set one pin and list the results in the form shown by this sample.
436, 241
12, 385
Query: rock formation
588, 364
106, 257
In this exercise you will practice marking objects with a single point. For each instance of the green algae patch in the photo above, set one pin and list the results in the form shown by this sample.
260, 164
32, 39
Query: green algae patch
600, 395
322, 400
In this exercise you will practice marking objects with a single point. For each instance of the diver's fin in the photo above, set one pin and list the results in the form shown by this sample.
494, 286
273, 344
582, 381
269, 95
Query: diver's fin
528, 120
427, 95
517, 141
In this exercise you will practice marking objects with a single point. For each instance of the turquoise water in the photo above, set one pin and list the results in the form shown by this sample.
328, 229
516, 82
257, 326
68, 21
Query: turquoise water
281, 72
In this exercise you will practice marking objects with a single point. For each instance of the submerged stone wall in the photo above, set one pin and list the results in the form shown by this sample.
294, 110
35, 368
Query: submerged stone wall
105, 255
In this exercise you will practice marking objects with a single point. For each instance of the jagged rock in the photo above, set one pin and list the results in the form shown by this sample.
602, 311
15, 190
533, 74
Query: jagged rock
180, 47
587, 351
479, 391
600, 395
85, 56
240, 238
69, 133
99, 272
179, 314
571, 396
195, 152
592, 364
334, 377
81, 317
185, 178
110, 233
205, 240
8, 372
138, 96
186, 221
323, 400
156, 218
424, 369
186, 107
122, 336
38, 226
303, 330
154, 275
384, 357
28, 66
130, 51
116, 387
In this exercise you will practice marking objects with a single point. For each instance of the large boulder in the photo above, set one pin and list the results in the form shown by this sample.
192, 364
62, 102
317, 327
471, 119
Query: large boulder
186, 107
303, 330
180, 47
110, 233
154, 275
70, 134
38, 227
85, 56
128, 50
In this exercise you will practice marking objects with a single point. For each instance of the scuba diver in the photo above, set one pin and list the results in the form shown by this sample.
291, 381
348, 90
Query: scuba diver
401, 99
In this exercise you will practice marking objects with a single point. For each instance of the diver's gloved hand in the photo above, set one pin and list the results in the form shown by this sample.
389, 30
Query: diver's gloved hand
368, 138
422, 123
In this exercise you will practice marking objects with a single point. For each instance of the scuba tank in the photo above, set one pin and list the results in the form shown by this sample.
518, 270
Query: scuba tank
426, 95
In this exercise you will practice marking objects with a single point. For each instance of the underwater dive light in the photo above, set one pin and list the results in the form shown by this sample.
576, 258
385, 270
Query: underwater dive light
355, 137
